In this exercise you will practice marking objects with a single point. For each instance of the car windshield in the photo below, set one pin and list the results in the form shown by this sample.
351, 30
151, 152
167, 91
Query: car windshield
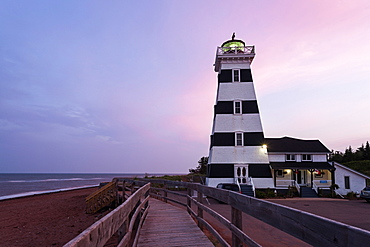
367, 188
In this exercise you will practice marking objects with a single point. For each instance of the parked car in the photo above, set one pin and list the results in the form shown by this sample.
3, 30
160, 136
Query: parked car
365, 193
229, 186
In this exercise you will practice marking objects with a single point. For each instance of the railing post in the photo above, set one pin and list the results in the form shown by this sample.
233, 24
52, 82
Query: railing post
145, 196
200, 211
165, 193
188, 199
237, 220
122, 230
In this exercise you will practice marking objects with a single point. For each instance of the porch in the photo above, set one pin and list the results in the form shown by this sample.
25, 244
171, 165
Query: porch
315, 175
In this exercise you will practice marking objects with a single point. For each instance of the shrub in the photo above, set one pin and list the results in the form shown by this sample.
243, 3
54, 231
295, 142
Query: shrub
351, 195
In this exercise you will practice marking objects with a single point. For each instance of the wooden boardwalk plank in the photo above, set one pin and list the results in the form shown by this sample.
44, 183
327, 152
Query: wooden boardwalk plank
167, 225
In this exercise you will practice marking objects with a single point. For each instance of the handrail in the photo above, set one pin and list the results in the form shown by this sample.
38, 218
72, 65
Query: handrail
297, 186
337, 193
101, 198
198, 202
237, 183
314, 186
297, 223
134, 209
253, 188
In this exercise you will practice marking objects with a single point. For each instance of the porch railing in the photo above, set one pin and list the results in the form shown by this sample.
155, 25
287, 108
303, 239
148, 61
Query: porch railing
315, 188
320, 184
287, 183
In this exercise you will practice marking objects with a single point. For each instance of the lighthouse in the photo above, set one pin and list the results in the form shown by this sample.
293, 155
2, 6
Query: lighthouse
237, 152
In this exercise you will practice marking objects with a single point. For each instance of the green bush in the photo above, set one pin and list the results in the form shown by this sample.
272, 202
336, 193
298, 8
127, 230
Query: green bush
260, 194
351, 195
268, 193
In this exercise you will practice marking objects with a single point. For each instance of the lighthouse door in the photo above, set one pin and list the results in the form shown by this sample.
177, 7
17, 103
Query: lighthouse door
241, 173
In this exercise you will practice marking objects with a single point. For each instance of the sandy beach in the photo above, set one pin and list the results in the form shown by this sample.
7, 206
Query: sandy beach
45, 220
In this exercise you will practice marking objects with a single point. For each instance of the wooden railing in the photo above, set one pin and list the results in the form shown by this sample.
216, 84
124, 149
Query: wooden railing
101, 198
126, 220
313, 229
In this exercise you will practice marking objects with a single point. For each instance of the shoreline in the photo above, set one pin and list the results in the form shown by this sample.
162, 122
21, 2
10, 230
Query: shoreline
42, 192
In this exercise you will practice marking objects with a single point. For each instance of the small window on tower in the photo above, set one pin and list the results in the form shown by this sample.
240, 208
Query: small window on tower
236, 75
237, 107
239, 139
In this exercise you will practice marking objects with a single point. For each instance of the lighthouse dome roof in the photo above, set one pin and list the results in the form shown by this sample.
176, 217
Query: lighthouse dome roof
233, 43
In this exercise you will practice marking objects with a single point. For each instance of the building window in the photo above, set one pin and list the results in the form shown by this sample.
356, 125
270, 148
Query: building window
237, 107
306, 157
346, 182
236, 75
290, 157
239, 139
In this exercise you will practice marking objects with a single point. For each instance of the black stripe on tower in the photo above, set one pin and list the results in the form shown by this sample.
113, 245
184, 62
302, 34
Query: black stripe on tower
228, 139
227, 107
225, 75
246, 75
259, 171
253, 138
220, 171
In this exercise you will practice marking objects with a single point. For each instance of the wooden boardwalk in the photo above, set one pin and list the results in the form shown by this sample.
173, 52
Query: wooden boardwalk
167, 225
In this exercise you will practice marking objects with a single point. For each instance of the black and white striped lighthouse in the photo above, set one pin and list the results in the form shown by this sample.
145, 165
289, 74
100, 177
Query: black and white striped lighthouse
237, 151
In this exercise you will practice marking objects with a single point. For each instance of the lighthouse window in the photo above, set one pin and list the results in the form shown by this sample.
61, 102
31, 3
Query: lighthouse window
239, 139
236, 75
237, 107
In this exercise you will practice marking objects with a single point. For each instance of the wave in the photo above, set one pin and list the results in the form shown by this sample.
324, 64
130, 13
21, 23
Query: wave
51, 180
32, 193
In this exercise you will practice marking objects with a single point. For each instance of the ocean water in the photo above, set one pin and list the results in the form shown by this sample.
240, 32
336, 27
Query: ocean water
14, 185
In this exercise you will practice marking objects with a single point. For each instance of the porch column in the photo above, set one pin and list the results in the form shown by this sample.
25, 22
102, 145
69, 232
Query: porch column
332, 176
311, 171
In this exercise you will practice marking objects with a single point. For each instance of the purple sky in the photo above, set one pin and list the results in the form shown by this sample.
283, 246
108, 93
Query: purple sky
129, 86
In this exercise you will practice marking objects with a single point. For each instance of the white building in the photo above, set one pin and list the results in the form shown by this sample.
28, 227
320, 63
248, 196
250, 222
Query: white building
349, 180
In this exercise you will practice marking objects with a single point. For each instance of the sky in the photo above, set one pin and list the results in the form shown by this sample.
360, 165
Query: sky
129, 86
